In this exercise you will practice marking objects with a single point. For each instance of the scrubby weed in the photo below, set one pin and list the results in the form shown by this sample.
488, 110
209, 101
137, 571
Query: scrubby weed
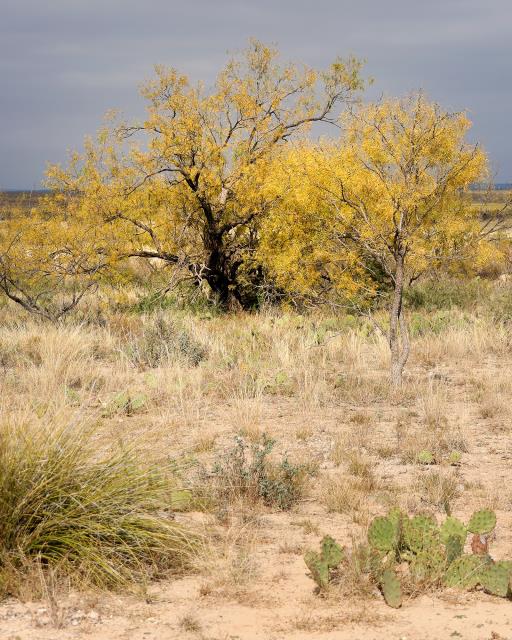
98, 518
190, 624
247, 471
162, 340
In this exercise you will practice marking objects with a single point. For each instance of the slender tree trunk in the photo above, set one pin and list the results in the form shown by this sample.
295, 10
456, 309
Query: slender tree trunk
398, 332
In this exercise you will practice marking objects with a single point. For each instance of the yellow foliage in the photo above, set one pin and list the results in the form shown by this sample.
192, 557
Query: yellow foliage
50, 257
187, 184
393, 189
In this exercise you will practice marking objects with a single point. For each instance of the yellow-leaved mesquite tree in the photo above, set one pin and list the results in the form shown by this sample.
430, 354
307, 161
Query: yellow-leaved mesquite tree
393, 196
185, 186
49, 258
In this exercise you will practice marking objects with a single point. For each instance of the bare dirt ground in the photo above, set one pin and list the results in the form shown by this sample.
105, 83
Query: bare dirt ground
251, 581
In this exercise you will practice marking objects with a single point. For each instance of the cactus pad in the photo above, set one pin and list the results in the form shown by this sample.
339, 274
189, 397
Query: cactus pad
395, 516
455, 458
464, 572
391, 589
425, 457
482, 522
419, 533
428, 566
454, 547
318, 567
375, 564
331, 553
495, 579
382, 534
506, 564
452, 527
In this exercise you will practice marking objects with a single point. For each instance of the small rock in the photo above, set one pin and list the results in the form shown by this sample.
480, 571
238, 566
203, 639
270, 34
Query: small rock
42, 620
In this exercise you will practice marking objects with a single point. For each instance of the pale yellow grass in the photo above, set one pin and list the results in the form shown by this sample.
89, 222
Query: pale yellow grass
324, 400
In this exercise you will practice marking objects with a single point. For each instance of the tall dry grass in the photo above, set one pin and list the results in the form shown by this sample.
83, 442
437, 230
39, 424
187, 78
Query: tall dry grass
179, 386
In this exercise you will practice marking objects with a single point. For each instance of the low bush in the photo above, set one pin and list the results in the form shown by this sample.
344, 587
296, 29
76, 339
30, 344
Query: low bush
247, 471
446, 293
162, 340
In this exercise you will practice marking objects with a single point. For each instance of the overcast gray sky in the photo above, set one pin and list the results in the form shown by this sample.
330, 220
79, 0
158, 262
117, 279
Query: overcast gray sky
64, 63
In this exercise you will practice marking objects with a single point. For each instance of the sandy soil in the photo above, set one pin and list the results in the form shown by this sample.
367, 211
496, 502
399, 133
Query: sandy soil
289, 611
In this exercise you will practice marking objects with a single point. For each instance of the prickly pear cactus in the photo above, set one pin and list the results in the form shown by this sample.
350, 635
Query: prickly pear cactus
331, 553
454, 459
391, 589
454, 547
452, 527
506, 564
382, 534
395, 516
431, 555
318, 567
419, 533
464, 572
495, 578
425, 457
375, 563
428, 566
482, 522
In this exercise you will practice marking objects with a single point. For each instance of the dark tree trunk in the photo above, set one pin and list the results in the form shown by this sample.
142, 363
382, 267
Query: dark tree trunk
221, 272
222, 275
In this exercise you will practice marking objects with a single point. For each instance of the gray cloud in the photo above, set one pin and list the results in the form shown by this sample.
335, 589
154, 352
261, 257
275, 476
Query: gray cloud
64, 63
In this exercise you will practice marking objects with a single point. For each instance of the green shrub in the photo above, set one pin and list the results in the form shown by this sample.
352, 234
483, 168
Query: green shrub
162, 340
437, 322
445, 294
247, 471
98, 519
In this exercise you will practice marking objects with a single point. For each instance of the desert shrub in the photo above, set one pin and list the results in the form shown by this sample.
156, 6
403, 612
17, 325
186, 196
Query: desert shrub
477, 296
437, 322
247, 471
499, 304
447, 293
182, 298
162, 339
100, 519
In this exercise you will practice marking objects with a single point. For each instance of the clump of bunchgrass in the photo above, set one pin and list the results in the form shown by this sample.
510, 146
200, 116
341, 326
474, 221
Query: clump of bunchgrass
99, 519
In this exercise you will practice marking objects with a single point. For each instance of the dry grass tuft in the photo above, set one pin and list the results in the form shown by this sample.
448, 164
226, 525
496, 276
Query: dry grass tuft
345, 495
438, 489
